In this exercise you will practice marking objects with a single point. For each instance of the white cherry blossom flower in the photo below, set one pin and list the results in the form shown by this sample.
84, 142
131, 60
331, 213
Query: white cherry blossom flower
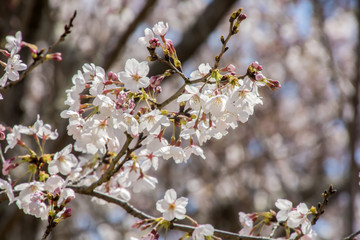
193, 149
148, 35
193, 96
63, 161
8, 190
13, 66
216, 105
14, 137
105, 104
201, 231
285, 207
172, 207
126, 122
160, 28
177, 153
298, 216
134, 76
42, 130
31, 199
246, 223
14, 43
154, 142
152, 122
148, 156
203, 69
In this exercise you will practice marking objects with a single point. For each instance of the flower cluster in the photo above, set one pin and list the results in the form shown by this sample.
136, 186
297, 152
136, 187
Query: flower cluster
293, 220
107, 109
46, 195
14, 64
122, 130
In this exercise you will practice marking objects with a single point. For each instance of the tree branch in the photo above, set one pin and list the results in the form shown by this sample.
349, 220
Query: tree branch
352, 236
41, 57
175, 226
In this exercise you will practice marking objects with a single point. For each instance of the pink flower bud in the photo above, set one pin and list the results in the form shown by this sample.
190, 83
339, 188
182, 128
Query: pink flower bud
242, 17
8, 165
273, 84
170, 46
67, 213
154, 42
255, 64
54, 56
158, 89
259, 77
112, 76
69, 199
230, 68
5, 53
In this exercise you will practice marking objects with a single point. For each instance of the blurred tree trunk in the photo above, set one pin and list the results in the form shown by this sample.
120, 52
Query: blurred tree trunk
353, 128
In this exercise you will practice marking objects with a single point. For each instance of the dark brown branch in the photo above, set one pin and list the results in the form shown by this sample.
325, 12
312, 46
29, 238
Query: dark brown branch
41, 57
320, 208
352, 236
175, 226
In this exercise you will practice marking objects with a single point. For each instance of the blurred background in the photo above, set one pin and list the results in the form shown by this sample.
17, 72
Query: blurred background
302, 139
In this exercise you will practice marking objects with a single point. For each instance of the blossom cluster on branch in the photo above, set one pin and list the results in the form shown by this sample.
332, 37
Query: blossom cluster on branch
121, 130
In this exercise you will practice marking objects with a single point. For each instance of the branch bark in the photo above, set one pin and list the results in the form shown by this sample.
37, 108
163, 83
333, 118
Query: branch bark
175, 226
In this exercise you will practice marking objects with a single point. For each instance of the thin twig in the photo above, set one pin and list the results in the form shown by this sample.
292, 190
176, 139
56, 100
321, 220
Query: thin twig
41, 58
175, 226
320, 208
352, 236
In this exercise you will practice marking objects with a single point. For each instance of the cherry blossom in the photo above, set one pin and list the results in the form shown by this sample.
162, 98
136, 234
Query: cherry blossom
160, 28
152, 122
285, 207
177, 153
134, 76
193, 96
14, 43
172, 207
298, 216
202, 231
149, 35
14, 137
8, 190
13, 66
63, 161
202, 71
246, 223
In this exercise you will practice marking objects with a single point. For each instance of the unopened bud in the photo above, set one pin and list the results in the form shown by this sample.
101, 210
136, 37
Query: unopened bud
112, 76
259, 77
273, 84
241, 17
53, 56
67, 213
255, 64
5, 53
154, 42
158, 90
